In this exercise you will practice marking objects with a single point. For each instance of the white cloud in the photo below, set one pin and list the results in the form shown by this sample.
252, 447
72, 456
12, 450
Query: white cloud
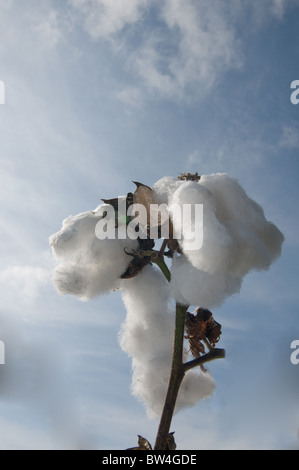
290, 137
195, 45
182, 48
6, 5
49, 29
189, 45
278, 7
207, 41
34, 382
131, 97
24, 282
18, 436
51, 25
103, 18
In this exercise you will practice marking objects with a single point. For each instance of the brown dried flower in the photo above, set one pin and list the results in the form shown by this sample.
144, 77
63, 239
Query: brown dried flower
202, 331
189, 176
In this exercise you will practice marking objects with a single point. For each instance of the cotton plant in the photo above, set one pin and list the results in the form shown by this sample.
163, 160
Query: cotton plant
210, 235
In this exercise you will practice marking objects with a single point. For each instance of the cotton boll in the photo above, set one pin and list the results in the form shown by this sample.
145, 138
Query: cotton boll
150, 385
147, 332
165, 187
195, 386
257, 241
147, 336
96, 271
236, 239
236, 235
71, 279
86, 280
76, 231
214, 252
191, 286
88, 266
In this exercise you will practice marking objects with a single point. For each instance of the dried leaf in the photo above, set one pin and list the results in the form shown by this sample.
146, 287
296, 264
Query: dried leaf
143, 444
170, 442
189, 177
144, 195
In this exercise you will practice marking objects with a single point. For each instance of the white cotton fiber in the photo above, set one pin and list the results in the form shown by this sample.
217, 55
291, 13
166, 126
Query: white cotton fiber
147, 336
88, 266
213, 253
257, 241
191, 286
164, 188
236, 238
195, 386
76, 232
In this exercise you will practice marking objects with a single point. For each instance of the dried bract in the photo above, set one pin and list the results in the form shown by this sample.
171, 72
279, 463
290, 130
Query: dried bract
144, 444
136, 265
189, 176
202, 330
170, 442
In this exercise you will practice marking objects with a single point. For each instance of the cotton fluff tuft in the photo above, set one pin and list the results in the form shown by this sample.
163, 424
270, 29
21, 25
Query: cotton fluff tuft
147, 336
257, 241
191, 286
236, 238
88, 266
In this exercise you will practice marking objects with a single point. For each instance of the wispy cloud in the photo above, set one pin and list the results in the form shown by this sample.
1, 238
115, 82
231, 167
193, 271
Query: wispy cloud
290, 136
189, 45
24, 281
103, 18
51, 25
176, 49
279, 7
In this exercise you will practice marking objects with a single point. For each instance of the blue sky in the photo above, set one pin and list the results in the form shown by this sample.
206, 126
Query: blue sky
99, 93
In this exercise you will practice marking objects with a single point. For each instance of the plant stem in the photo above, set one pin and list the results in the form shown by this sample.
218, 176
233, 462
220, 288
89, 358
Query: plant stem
178, 368
214, 353
178, 371
163, 266
158, 259
176, 377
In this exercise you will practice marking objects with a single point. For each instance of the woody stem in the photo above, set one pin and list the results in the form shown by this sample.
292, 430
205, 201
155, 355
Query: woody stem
162, 249
178, 368
175, 380
214, 353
